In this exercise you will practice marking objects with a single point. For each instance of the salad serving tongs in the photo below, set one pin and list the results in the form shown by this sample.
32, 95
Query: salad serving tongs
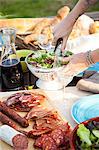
59, 41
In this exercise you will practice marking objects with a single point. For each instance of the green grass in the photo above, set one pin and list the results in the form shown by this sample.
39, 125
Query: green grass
35, 8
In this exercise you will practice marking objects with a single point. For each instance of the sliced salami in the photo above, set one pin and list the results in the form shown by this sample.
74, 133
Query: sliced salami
64, 127
49, 144
58, 136
20, 142
40, 140
14, 138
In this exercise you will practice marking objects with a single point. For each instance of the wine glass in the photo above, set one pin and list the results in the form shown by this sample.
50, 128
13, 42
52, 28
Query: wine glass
64, 78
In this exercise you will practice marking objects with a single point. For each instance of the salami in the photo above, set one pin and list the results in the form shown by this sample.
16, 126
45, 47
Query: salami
65, 128
14, 138
45, 142
20, 142
58, 137
40, 140
13, 115
5, 120
49, 144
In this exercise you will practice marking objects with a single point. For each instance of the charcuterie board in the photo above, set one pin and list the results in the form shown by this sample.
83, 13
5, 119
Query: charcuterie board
45, 104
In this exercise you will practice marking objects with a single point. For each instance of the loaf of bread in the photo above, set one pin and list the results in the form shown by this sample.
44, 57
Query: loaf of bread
94, 27
81, 27
63, 12
43, 27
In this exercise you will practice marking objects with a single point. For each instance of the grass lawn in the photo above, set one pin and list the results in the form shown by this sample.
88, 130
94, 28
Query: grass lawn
35, 8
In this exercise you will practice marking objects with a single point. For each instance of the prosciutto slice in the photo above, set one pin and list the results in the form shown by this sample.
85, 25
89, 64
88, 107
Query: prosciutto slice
44, 120
24, 101
38, 112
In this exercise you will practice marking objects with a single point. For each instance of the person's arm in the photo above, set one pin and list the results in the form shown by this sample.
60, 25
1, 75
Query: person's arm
64, 28
95, 55
81, 7
81, 61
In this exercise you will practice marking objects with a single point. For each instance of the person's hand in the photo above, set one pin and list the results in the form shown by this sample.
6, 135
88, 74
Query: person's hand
77, 63
62, 30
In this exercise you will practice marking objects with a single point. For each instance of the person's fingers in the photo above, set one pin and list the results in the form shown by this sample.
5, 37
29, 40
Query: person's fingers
66, 59
54, 41
64, 43
68, 70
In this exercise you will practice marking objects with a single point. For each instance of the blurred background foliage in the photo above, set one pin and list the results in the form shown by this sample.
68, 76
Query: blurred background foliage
35, 8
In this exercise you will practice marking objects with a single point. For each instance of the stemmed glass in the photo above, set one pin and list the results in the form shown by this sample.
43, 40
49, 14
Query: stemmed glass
64, 79
62, 75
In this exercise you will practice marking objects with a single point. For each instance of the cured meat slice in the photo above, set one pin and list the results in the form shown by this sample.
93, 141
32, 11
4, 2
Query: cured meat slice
16, 139
52, 125
20, 142
40, 122
24, 101
5, 120
37, 112
38, 132
49, 144
13, 99
58, 137
45, 142
13, 115
39, 141
44, 121
64, 127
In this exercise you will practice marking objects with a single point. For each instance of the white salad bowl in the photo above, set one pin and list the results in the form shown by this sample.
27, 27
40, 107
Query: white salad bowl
47, 77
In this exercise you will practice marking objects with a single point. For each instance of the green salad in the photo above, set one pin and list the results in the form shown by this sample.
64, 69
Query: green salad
88, 136
44, 59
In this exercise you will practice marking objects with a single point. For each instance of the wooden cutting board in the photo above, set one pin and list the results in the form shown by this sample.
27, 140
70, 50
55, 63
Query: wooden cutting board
4, 95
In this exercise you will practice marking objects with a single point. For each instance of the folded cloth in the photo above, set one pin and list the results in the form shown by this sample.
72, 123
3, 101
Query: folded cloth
90, 84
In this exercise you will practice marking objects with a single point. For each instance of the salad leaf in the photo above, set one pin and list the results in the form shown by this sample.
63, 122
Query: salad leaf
88, 136
96, 133
68, 53
92, 137
84, 146
44, 59
84, 134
